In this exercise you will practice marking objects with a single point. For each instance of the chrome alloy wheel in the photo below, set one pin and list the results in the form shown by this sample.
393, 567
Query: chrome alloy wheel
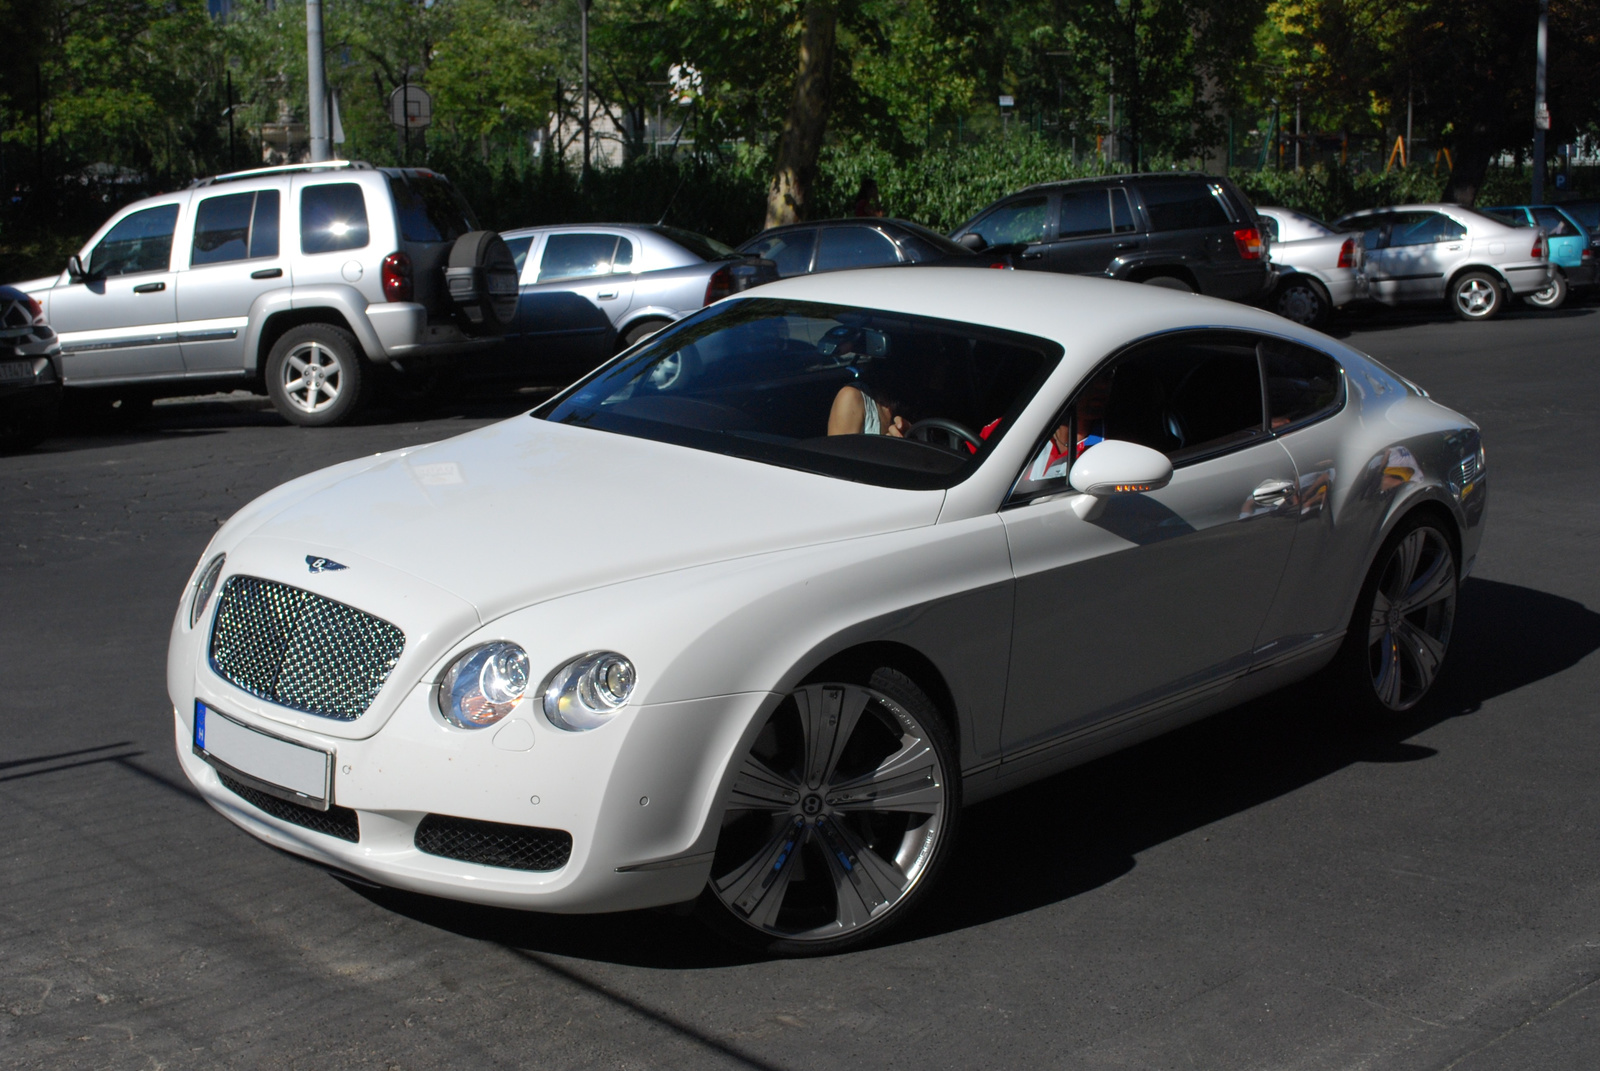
1408, 631
835, 817
312, 377
1476, 297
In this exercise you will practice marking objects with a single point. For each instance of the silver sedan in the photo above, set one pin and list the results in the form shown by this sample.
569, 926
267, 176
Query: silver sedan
591, 289
1443, 252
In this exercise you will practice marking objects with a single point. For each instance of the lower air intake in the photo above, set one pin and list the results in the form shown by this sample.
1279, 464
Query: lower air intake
494, 843
338, 822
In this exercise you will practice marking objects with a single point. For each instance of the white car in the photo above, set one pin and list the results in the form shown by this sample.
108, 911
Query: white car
1319, 268
751, 612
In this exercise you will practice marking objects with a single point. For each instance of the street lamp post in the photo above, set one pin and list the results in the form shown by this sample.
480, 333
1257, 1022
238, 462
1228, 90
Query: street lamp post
316, 84
583, 37
1541, 110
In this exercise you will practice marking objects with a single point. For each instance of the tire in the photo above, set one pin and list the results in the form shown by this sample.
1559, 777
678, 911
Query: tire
1301, 300
1551, 297
481, 277
1477, 295
317, 376
1399, 633
639, 332
1168, 282
810, 859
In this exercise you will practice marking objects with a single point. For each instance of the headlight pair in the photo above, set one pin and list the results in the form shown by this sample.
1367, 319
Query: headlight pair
486, 683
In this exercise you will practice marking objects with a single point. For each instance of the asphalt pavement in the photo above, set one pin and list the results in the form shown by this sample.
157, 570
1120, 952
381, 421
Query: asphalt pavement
1272, 888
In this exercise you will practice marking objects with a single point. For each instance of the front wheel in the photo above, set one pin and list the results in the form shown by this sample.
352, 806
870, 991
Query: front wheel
316, 375
1476, 296
1400, 631
1552, 296
842, 814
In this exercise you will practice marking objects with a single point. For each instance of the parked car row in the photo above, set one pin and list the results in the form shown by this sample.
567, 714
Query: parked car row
313, 283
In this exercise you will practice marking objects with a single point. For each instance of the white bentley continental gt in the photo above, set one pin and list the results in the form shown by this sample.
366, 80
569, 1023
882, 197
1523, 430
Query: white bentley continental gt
751, 612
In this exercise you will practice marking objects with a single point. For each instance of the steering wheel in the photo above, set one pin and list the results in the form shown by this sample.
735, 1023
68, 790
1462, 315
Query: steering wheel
955, 433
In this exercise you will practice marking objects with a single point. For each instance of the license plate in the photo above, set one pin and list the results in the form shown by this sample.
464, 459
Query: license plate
264, 762
16, 369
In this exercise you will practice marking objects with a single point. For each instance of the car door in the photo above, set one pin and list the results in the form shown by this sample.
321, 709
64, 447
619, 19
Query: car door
235, 256
564, 311
1094, 227
854, 246
1158, 600
1415, 260
121, 322
1188, 224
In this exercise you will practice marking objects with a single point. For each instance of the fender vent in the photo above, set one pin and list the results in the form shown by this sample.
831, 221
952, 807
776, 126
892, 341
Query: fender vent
494, 843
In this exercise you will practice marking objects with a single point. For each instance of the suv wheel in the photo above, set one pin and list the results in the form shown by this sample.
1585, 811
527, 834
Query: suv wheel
1476, 295
316, 375
1551, 297
1301, 300
1168, 282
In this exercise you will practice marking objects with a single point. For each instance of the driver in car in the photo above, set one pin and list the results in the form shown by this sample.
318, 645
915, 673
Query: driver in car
855, 411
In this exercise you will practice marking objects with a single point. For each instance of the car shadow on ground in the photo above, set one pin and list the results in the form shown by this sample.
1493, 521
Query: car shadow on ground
1075, 831
1375, 317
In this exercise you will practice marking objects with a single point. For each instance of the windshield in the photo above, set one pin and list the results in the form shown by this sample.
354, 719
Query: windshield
698, 244
874, 397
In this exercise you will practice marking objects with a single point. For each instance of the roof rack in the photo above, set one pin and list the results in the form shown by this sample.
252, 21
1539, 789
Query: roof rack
283, 169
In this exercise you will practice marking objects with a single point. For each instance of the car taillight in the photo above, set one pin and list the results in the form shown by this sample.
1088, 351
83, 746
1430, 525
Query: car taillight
1347, 253
1249, 242
397, 277
719, 286
999, 264
1538, 248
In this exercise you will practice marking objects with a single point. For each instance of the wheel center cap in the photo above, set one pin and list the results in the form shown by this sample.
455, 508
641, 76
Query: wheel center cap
1394, 618
811, 805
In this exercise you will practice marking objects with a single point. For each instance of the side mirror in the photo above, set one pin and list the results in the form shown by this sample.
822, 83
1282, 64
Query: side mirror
75, 269
1114, 467
973, 241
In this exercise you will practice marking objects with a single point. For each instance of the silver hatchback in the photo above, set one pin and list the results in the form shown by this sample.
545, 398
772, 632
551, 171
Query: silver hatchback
1444, 252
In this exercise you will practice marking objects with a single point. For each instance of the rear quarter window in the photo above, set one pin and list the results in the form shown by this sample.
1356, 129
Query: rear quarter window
1182, 204
333, 217
429, 209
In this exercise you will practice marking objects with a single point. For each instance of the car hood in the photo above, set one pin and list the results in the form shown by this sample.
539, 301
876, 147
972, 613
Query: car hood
526, 510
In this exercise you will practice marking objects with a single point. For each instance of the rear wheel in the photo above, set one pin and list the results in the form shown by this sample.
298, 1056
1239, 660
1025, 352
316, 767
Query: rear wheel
1476, 295
1552, 296
1301, 300
1400, 631
316, 375
1169, 282
842, 814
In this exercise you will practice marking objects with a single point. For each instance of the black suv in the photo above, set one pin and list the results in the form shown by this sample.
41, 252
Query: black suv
1181, 230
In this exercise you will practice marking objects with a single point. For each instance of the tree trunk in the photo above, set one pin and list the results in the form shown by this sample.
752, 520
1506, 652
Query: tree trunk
801, 141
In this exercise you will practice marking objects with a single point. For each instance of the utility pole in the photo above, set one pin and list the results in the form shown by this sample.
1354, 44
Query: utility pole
1541, 109
232, 163
583, 37
316, 84
1410, 97
1298, 87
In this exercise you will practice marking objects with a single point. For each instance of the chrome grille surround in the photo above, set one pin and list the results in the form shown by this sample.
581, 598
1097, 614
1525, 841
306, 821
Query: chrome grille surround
301, 650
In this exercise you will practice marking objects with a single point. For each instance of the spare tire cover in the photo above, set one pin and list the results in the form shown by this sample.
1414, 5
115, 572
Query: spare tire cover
481, 277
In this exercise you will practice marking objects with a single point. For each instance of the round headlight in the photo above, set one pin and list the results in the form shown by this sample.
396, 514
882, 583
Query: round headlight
203, 588
586, 692
484, 685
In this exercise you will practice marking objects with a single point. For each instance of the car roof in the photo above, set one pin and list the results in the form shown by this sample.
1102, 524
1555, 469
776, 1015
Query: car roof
1089, 317
1101, 180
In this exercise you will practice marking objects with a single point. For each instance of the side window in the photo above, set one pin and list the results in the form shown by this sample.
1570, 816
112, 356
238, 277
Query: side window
854, 247
264, 230
789, 250
1423, 228
1189, 397
519, 250
624, 258
1302, 384
1271, 227
1182, 204
1015, 222
1121, 211
577, 256
236, 226
1083, 212
139, 242
333, 216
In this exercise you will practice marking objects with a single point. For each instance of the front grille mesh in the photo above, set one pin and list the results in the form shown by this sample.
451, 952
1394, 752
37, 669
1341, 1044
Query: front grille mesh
494, 843
301, 650
338, 822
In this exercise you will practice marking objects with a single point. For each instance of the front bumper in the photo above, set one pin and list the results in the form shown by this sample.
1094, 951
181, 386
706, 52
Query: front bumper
638, 796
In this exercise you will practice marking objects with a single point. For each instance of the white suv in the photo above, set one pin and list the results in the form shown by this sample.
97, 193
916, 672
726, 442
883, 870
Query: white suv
292, 279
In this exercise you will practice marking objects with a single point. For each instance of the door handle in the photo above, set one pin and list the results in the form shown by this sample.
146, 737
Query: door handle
267, 273
607, 296
1125, 245
149, 288
1272, 492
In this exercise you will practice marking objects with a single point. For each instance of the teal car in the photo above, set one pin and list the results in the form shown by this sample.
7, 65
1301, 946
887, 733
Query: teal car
1573, 248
